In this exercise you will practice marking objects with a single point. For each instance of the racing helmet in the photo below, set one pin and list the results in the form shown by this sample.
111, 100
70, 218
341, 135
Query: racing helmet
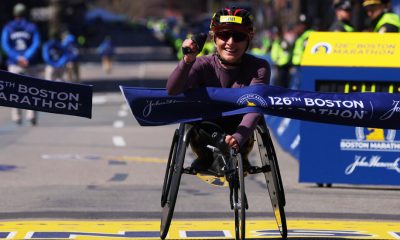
233, 18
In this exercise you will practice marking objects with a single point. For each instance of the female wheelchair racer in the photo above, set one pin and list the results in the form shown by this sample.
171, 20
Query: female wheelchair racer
230, 67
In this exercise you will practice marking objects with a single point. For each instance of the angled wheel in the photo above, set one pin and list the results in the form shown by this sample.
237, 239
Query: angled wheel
272, 176
239, 199
173, 179
274, 160
169, 168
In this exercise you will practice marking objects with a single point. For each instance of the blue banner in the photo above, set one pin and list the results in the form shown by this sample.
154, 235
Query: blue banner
26, 92
152, 107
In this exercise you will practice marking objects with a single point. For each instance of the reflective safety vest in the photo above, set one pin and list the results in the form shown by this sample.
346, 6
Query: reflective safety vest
177, 44
208, 49
280, 54
299, 47
348, 28
388, 18
258, 51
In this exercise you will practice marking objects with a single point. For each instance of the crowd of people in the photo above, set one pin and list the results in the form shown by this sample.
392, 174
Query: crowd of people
285, 52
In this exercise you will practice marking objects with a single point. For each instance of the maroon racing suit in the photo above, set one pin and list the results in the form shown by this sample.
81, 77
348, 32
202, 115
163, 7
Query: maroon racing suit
207, 71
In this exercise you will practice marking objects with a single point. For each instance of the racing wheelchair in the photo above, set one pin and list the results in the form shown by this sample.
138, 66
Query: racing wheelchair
232, 168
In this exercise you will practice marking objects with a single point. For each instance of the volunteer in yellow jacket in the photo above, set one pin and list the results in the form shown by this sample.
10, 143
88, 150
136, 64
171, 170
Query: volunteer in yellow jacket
382, 20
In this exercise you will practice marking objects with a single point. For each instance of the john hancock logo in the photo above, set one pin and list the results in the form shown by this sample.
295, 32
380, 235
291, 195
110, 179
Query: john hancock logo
252, 100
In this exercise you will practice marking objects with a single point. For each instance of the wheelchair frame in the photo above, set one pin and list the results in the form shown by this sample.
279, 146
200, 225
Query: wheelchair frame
238, 200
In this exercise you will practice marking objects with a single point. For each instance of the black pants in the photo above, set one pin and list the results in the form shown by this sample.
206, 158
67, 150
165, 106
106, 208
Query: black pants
202, 132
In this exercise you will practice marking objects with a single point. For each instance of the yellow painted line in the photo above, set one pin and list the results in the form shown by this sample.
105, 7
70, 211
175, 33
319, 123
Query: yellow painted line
195, 229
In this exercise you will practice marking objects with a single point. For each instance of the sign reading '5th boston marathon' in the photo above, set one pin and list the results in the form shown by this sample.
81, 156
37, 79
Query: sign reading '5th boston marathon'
154, 107
25, 92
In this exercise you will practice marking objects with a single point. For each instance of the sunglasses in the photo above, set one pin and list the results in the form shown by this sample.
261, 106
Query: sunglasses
236, 36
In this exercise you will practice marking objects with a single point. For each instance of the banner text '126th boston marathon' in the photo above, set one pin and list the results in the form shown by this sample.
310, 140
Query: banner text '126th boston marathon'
155, 107
26, 92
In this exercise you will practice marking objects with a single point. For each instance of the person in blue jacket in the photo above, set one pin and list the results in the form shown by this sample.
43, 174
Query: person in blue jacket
56, 56
72, 68
106, 51
20, 41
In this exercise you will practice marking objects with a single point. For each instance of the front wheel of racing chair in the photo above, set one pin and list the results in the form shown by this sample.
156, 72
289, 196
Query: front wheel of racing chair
270, 168
231, 162
233, 173
238, 198
173, 175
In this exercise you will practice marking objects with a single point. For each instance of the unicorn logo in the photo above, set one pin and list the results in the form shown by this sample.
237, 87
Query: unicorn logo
252, 100
250, 104
321, 48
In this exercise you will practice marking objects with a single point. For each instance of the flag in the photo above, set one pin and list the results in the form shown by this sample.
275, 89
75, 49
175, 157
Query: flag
19, 91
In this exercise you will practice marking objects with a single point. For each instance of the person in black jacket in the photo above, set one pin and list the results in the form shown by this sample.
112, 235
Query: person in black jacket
343, 16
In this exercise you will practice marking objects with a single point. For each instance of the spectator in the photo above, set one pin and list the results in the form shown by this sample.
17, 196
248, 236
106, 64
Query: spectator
382, 20
302, 31
56, 57
281, 56
343, 16
20, 41
106, 51
72, 67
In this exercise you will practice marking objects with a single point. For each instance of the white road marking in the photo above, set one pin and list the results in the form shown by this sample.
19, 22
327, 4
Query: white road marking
99, 99
142, 71
123, 110
119, 124
119, 141
122, 113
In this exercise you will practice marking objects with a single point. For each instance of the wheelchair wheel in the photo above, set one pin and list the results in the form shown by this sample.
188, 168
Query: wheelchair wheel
274, 160
169, 168
239, 199
174, 172
272, 177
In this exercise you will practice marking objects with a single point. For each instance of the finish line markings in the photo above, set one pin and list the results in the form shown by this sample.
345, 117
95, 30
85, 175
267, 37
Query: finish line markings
188, 229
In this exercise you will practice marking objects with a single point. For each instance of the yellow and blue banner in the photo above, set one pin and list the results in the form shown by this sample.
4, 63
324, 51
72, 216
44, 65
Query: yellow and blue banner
352, 49
350, 63
152, 107
19, 91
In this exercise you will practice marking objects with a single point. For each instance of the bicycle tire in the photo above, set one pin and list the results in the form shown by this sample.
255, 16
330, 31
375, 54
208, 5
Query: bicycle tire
239, 200
172, 193
169, 169
272, 177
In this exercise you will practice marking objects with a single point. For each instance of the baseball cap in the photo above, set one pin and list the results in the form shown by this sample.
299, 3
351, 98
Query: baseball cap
342, 4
